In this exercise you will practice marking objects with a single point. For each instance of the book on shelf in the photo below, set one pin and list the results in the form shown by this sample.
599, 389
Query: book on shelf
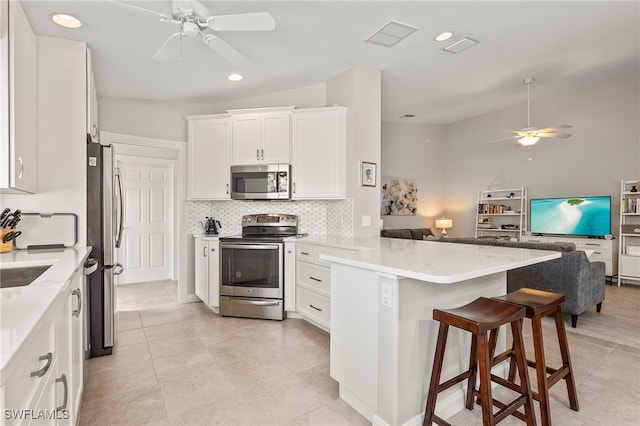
630, 205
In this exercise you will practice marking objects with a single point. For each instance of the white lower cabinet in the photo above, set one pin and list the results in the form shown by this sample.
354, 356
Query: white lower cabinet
313, 283
602, 249
207, 271
45, 385
290, 276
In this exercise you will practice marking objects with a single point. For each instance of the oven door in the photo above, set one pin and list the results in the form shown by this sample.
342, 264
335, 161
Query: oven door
251, 269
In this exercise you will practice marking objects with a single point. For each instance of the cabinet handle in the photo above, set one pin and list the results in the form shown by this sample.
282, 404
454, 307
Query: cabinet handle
213, 249
257, 154
596, 252
262, 154
305, 253
317, 309
63, 380
315, 279
227, 188
289, 251
294, 187
204, 251
592, 244
76, 292
39, 373
21, 168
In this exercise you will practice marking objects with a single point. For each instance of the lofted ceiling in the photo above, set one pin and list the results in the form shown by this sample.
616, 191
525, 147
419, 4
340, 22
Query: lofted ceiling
562, 44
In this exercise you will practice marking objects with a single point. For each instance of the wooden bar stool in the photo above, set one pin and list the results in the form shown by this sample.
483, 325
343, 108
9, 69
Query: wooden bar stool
480, 317
539, 304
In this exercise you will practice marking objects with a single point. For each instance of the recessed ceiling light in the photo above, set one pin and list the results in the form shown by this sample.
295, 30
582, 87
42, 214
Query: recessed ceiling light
235, 77
444, 36
65, 20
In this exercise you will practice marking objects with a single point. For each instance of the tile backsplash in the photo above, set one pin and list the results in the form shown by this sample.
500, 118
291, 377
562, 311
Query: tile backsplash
319, 217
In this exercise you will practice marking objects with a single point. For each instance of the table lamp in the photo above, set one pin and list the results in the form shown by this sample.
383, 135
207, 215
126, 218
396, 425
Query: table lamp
444, 223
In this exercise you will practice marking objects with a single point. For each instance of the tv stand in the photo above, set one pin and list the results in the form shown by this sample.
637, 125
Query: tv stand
602, 249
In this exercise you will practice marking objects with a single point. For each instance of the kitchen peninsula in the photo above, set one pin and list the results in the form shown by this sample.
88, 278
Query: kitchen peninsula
383, 336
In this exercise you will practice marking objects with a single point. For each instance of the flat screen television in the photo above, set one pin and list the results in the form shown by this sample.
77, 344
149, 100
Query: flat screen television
575, 216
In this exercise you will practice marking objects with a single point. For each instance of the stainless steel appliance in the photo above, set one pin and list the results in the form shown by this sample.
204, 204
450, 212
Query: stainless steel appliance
252, 267
266, 182
104, 234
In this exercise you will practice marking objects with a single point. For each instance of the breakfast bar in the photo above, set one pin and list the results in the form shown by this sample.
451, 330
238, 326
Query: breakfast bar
383, 336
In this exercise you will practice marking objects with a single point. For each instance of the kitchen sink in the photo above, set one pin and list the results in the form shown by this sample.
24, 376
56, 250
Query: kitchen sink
20, 277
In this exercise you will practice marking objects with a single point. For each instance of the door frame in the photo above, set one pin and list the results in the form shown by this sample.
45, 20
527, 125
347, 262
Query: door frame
144, 147
171, 165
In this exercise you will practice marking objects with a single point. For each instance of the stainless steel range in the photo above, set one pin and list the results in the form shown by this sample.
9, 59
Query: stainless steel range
252, 267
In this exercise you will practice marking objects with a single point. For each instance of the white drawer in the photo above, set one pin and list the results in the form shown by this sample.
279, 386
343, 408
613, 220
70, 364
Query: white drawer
21, 386
315, 277
314, 306
630, 265
311, 253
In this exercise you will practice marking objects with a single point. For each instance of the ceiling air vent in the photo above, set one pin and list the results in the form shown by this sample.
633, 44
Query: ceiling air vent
459, 45
391, 33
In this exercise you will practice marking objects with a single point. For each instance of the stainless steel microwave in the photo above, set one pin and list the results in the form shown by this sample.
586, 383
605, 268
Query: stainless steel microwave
265, 182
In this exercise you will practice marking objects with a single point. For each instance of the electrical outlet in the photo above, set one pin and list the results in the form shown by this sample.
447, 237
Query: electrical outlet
366, 220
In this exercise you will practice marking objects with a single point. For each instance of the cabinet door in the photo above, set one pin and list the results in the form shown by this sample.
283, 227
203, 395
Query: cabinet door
64, 344
201, 270
48, 401
246, 139
214, 273
276, 136
77, 344
19, 152
290, 276
318, 154
209, 156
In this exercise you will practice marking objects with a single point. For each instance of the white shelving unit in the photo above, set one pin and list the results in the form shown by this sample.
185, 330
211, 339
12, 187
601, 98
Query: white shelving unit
502, 213
629, 241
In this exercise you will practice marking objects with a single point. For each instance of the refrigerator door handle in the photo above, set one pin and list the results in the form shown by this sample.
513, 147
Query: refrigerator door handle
120, 211
108, 308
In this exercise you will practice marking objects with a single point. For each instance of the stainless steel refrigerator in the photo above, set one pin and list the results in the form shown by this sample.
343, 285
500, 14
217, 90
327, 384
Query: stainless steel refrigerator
104, 234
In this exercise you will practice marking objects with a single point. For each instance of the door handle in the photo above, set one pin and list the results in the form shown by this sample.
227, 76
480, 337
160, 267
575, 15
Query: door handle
121, 219
204, 251
118, 269
76, 312
63, 380
21, 172
39, 373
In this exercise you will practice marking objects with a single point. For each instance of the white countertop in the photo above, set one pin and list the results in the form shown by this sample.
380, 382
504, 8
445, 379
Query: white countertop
22, 308
432, 261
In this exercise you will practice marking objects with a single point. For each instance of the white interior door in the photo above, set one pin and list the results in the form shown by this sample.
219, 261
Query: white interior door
146, 251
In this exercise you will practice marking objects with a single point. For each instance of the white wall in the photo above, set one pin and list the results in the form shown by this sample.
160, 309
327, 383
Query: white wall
61, 133
301, 97
152, 119
359, 90
416, 151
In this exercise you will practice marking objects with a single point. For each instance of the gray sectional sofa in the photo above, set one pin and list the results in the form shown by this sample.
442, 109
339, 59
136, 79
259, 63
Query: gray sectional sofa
581, 281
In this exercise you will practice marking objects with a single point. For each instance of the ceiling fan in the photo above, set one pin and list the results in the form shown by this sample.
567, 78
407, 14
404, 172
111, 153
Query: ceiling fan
529, 135
194, 20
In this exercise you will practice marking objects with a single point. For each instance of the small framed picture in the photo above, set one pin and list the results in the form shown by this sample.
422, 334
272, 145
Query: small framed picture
368, 174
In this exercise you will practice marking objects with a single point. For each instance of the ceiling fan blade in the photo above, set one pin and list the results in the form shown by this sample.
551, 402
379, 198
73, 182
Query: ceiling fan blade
554, 135
503, 139
163, 17
260, 21
171, 49
554, 128
227, 52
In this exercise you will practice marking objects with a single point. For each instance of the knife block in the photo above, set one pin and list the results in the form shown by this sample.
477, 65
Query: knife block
8, 246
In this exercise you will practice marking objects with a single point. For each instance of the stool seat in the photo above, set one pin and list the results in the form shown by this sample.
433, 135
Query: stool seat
480, 317
539, 304
536, 302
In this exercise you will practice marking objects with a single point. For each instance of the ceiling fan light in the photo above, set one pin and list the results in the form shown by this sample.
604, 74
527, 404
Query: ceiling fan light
528, 140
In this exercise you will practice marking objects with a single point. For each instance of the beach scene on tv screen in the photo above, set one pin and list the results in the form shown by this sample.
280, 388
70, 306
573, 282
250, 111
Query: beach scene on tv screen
588, 216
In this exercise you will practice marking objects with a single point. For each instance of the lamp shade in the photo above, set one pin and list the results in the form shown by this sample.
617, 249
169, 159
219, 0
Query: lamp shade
444, 223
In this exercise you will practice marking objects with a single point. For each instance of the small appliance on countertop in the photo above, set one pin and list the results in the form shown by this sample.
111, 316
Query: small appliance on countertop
210, 226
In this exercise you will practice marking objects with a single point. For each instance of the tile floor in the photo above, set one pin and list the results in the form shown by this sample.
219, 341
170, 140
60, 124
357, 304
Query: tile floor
181, 364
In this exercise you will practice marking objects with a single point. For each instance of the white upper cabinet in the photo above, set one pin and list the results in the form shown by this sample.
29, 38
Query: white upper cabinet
209, 153
261, 136
318, 153
18, 98
92, 102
